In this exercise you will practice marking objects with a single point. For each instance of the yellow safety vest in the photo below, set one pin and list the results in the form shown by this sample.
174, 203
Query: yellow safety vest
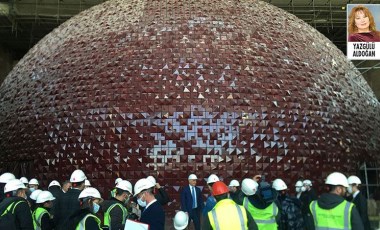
107, 216
37, 217
228, 215
264, 218
82, 223
338, 218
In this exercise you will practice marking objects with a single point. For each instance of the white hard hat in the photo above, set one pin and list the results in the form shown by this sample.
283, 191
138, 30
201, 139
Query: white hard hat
90, 193
354, 180
181, 220
143, 184
33, 181
299, 184
24, 180
337, 178
44, 196
192, 177
6, 177
35, 194
54, 183
125, 185
13, 185
87, 183
212, 179
249, 186
77, 176
307, 182
152, 179
279, 185
118, 180
234, 183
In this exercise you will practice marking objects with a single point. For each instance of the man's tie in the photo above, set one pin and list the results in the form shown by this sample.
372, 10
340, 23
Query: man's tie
193, 195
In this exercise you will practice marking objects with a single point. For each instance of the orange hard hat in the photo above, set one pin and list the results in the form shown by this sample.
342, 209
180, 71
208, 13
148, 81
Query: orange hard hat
219, 188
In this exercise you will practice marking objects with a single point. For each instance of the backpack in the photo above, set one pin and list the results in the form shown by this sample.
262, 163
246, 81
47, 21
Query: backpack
7, 208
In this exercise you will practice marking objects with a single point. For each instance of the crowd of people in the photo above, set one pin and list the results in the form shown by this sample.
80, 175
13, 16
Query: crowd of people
251, 204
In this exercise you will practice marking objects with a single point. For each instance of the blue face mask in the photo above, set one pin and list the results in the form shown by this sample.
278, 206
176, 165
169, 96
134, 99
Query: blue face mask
95, 208
32, 189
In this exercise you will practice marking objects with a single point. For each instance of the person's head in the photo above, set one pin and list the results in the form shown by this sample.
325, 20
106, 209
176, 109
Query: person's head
54, 185
144, 192
299, 187
25, 181
33, 184
192, 179
45, 199
66, 185
89, 199
15, 188
337, 183
123, 191
249, 186
353, 184
77, 179
280, 186
181, 220
211, 180
234, 185
220, 191
360, 20
33, 196
307, 184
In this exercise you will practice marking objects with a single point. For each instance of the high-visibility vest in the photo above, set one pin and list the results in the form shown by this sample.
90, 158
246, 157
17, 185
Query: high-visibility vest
113, 192
264, 218
82, 223
228, 215
37, 217
338, 218
107, 216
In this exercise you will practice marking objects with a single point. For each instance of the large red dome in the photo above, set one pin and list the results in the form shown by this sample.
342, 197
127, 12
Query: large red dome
138, 88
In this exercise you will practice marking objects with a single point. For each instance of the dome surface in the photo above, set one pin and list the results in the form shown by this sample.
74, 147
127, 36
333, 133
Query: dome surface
168, 88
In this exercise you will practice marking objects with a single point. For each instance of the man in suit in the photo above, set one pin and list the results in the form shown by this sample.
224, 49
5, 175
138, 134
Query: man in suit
192, 202
358, 199
153, 213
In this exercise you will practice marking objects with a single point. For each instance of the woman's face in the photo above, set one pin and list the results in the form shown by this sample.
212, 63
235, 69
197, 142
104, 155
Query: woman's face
361, 21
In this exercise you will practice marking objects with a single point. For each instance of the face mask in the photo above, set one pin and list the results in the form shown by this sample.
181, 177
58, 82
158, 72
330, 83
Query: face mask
298, 190
141, 202
349, 189
303, 189
32, 189
95, 207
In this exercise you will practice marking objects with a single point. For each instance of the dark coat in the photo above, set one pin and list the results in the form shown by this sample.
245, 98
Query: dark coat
66, 205
22, 217
291, 214
361, 205
154, 215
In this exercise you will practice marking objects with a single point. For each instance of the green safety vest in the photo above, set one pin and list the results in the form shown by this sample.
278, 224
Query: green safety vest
227, 215
37, 217
107, 216
82, 224
13, 206
264, 218
338, 218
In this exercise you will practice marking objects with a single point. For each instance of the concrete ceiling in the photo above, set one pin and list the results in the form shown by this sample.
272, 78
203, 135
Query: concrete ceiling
24, 22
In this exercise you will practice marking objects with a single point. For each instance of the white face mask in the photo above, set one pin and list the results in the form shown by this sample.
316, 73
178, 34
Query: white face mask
141, 202
303, 189
349, 189
298, 189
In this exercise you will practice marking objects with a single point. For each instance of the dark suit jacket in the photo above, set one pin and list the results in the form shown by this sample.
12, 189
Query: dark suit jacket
187, 199
361, 205
66, 205
154, 215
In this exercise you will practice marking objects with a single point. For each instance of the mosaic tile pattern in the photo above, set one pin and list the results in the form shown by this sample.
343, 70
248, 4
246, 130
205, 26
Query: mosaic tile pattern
169, 88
